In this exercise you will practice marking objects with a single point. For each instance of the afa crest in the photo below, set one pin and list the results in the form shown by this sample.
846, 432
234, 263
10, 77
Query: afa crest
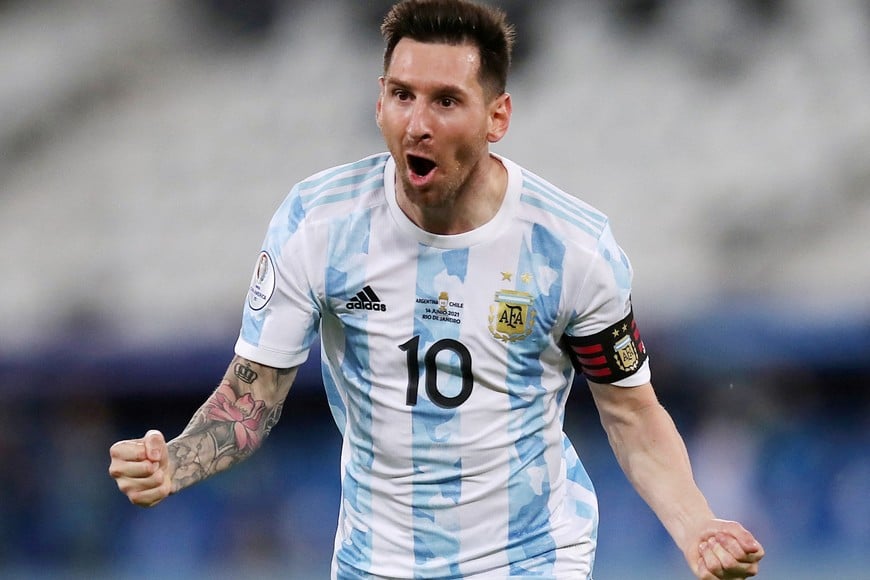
512, 316
627, 357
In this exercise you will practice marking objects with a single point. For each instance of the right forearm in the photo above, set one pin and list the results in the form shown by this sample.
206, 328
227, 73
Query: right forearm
230, 425
207, 446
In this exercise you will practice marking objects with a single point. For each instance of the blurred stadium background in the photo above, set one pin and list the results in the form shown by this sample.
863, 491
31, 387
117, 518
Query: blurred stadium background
144, 146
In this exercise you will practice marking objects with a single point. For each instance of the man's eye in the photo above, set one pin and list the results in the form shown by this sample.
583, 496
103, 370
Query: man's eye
447, 102
401, 95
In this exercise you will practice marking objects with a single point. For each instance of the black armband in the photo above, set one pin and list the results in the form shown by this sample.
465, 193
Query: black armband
613, 354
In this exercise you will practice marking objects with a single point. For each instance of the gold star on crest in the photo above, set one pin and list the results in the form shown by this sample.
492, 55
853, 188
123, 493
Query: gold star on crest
526, 278
507, 276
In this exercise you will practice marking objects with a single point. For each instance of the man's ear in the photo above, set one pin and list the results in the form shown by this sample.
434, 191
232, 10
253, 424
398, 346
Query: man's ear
380, 102
500, 112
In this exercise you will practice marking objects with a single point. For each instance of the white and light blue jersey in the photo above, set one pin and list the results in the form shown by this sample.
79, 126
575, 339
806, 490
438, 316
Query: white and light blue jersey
447, 362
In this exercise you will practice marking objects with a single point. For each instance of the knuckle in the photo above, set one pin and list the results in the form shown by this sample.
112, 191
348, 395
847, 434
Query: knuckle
117, 448
139, 498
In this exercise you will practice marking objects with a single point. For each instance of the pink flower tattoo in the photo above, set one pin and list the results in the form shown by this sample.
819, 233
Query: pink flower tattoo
245, 414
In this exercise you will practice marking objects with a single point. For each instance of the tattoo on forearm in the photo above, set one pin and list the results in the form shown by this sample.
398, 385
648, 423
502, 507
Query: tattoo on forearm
272, 419
245, 373
229, 427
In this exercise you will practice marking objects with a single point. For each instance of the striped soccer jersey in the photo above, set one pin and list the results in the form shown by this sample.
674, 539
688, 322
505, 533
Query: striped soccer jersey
447, 362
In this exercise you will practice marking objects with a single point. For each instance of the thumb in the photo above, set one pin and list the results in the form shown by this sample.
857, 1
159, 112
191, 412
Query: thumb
155, 445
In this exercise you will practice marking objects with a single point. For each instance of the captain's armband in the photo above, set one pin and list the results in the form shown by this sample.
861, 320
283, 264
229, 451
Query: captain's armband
613, 354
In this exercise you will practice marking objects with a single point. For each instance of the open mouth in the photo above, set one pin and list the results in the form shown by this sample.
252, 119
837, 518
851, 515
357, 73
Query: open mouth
420, 165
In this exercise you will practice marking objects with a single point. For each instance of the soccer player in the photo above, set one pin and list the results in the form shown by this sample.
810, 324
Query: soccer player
455, 294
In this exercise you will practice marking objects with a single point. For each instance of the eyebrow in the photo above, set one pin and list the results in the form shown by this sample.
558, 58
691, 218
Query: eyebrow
449, 89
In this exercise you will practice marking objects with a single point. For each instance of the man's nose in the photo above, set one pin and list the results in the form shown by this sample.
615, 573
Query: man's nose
420, 122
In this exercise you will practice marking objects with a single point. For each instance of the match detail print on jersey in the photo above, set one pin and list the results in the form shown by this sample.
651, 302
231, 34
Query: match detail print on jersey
611, 355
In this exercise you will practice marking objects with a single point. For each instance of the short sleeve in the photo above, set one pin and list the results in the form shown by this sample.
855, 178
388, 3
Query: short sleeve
602, 338
281, 315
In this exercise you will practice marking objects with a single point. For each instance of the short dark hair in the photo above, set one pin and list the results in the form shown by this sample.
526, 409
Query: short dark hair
455, 22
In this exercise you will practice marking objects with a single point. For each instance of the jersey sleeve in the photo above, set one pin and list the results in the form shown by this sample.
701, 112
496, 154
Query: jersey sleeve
281, 315
602, 338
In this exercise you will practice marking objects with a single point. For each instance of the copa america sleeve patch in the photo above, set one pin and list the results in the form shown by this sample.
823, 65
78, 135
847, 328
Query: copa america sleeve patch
613, 354
262, 282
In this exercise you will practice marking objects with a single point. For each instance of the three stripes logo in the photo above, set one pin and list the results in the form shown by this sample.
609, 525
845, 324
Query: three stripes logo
366, 299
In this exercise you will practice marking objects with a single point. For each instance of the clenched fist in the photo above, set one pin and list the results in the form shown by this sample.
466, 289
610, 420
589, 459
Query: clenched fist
140, 467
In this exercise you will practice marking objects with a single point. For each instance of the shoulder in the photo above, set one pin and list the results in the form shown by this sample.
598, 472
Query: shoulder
350, 178
554, 208
336, 191
562, 222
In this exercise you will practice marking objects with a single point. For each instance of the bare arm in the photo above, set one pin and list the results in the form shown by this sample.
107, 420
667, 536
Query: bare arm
227, 428
231, 424
653, 456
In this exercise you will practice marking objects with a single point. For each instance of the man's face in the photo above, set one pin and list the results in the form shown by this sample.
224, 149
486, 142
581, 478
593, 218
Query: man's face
436, 120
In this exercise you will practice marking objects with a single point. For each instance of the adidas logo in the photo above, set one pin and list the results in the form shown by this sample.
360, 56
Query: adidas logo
366, 299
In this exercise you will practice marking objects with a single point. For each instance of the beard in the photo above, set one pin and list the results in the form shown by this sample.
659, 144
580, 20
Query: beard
452, 180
